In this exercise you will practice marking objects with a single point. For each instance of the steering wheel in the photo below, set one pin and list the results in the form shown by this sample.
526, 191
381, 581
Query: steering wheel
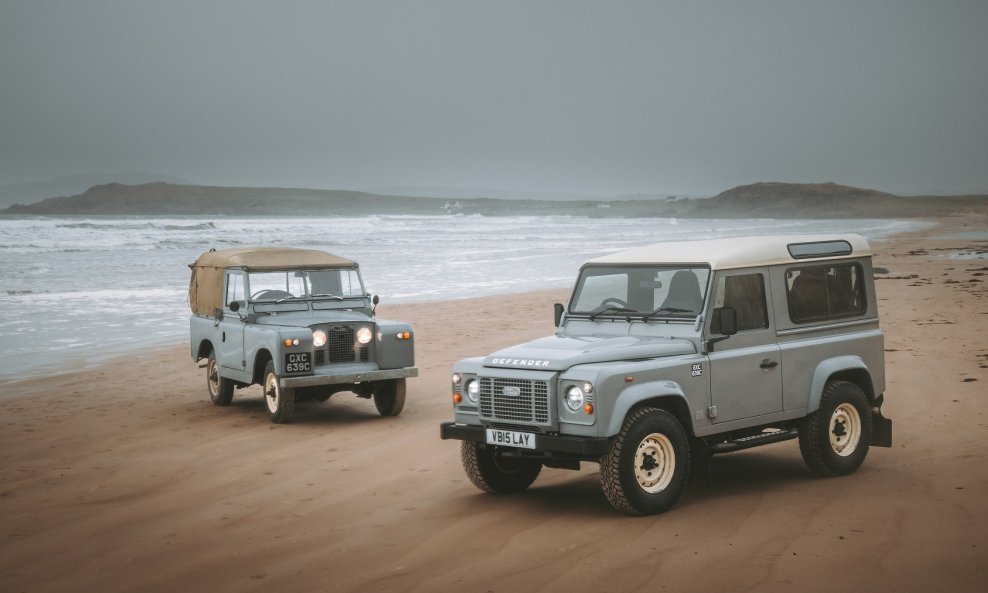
606, 302
270, 294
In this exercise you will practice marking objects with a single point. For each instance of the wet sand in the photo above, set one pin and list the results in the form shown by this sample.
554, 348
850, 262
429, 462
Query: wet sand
125, 477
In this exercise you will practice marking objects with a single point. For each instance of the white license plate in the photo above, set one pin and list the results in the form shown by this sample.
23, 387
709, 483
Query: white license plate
510, 438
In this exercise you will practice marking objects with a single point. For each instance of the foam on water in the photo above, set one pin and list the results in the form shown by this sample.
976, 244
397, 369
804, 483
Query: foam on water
77, 290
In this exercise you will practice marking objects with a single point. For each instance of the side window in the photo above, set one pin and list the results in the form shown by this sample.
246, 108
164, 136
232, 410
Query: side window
746, 295
234, 290
821, 293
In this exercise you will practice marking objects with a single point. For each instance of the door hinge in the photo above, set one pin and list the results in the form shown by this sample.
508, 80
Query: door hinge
712, 412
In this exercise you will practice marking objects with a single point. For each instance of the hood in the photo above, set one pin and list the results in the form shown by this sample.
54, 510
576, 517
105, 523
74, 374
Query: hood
309, 318
558, 353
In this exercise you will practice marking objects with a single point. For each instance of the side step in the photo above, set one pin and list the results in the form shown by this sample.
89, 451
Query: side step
753, 441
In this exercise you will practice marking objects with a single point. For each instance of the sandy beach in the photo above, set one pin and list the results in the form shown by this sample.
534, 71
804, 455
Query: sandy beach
125, 478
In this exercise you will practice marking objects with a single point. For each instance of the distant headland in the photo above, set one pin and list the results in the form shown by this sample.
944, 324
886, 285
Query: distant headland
757, 200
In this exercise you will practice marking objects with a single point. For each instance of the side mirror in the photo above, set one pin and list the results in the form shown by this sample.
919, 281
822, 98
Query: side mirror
234, 306
558, 312
726, 320
375, 300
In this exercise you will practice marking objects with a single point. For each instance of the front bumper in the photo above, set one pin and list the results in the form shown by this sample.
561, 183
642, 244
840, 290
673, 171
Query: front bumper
585, 447
329, 378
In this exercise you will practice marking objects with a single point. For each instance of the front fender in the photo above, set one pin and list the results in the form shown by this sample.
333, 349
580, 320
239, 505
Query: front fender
271, 339
637, 394
827, 369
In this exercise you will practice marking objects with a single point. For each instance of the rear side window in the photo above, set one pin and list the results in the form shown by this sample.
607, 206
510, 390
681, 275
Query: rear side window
821, 293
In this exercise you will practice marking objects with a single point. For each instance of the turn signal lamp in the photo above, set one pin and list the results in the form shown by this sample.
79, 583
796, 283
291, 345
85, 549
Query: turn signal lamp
457, 398
291, 342
404, 335
588, 408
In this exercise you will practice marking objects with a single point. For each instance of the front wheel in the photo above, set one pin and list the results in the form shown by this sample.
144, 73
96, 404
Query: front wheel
497, 474
645, 468
220, 388
834, 440
280, 402
389, 397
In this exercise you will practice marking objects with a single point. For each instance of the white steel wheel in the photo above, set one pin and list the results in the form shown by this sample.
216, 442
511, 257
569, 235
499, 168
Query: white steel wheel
220, 389
845, 429
280, 401
834, 439
655, 463
647, 463
272, 392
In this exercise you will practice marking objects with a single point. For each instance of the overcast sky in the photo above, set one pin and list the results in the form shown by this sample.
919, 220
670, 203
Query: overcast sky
596, 98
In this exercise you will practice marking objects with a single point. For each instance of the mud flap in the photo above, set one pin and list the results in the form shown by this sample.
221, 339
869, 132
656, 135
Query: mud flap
881, 429
699, 463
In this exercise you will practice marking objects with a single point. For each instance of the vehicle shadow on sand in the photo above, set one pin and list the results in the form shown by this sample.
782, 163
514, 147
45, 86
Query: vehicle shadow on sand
344, 409
727, 476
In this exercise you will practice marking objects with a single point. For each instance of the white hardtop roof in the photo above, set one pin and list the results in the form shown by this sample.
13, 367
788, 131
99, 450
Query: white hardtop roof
732, 252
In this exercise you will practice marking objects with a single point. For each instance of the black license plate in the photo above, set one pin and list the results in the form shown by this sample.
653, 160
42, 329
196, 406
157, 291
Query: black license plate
298, 362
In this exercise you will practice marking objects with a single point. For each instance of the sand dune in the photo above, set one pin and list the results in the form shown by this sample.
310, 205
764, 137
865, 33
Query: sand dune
125, 478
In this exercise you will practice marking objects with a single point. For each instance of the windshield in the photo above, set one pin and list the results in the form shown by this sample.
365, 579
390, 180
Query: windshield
640, 291
323, 284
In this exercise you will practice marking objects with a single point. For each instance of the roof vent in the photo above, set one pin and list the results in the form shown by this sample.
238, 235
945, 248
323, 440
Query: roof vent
819, 249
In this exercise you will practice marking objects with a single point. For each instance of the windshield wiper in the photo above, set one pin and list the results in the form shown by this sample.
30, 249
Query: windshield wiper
665, 310
335, 297
287, 298
611, 309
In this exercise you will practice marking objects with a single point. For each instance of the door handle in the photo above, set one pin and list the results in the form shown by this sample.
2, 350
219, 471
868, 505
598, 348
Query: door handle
767, 364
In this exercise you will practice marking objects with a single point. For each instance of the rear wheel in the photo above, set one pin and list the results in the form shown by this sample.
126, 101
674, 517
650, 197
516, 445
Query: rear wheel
834, 440
496, 474
280, 401
645, 469
220, 389
389, 397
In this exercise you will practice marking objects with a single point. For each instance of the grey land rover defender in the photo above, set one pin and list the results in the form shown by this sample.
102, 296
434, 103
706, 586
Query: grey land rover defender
672, 352
299, 323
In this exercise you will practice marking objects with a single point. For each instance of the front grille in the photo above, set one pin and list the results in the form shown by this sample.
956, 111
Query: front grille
341, 347
530, 405
340, 344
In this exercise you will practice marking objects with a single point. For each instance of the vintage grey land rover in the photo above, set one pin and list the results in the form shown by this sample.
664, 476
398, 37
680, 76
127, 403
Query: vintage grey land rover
299, 323
672, 352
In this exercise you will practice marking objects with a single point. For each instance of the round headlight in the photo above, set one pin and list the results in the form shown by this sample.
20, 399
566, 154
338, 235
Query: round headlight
574, 398
364, 335
473, 391
319, 338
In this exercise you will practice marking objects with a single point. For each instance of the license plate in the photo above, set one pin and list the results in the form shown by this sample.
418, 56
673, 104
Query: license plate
510, 438
298, 362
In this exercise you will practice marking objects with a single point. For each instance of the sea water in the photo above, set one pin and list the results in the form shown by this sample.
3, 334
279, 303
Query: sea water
75, 291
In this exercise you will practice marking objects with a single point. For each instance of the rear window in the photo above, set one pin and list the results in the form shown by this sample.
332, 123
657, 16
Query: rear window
822, 293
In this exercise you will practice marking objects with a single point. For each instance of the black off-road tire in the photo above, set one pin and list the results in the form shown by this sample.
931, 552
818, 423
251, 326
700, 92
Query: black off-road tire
220, 388
279, 402
494, 474
834, 439
389, 397
635, 472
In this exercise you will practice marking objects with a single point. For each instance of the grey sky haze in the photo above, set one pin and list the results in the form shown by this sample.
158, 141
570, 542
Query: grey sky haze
585, 97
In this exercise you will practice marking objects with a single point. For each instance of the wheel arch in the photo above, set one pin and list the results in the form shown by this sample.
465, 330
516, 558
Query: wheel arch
261, 359
664, 395
842, 368
205, 347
